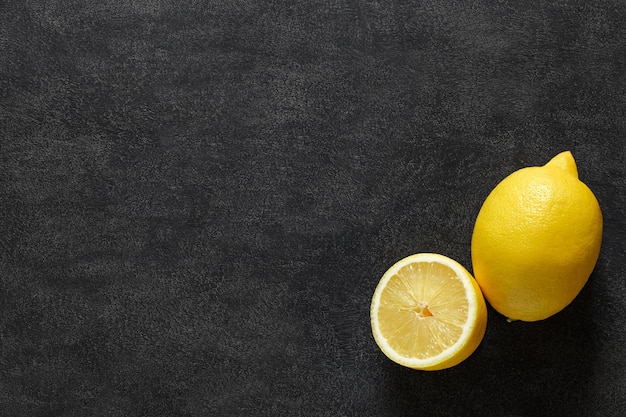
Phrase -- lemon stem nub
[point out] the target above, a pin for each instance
(564, 160)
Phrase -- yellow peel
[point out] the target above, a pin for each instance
(536, 240)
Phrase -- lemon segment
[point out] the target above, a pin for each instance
(427, 312)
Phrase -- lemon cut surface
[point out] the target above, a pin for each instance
(428, 313)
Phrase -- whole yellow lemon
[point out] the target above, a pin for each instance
(536, 240)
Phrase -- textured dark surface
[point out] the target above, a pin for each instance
(197, 200)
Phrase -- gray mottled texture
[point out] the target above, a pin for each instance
(197, 200)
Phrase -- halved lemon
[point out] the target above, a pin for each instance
(428, 313)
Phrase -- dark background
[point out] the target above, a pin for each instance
(197, 200)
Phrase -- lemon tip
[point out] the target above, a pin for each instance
(564, 160)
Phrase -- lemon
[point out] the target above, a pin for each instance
(428, 313)
(536, 240)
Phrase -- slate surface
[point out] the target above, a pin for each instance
(197, 200)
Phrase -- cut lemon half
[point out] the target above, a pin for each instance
(428, 313)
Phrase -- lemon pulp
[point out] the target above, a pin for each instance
(428, 313)
(423, 309)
